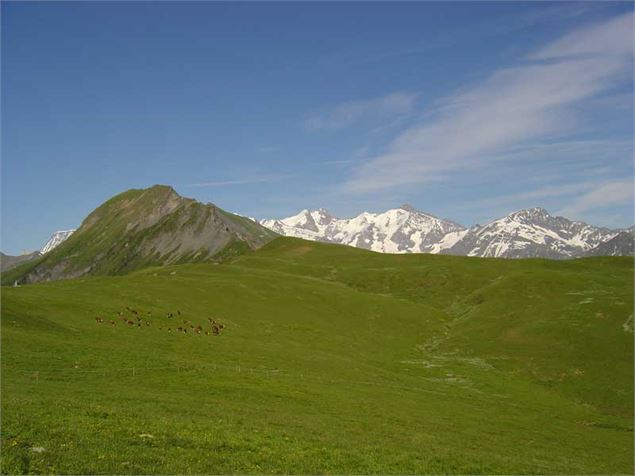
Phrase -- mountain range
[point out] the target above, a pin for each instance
(529, 233)
(156, 226)
(7, 261)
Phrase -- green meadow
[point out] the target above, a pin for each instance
(331, 360)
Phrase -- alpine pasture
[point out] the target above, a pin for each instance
(330, 360)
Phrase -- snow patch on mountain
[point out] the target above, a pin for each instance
(56, 239)
(526, 233)
(399, 230)
(530, 233)
(622, 244)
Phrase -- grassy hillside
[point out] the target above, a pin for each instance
(331, 360)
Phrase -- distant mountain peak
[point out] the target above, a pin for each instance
(56, 239)
(324, 211)
(531, 232)
(393, 231)
(409, 208)
(622, 244)
(530, 213)
(161, 188)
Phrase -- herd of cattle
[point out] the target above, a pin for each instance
(133, 318)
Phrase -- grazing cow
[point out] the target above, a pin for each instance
(130, 323)
(215, 330)
(147, 323)
(178, 312)
(180, 329)
(169, 329)
(112, 323)
(99, 319)
(139, 325)
(206, 333)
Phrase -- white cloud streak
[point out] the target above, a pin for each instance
(352, 112)
(541, 192)
(224, 183)
(617, 192)
(514, 106)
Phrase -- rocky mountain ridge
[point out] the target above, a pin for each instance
(140, 228)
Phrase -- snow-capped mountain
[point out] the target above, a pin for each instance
(527, 233)
(622, 244)
(531, 233)
(56, 239)
(308, 224)
(400, 230)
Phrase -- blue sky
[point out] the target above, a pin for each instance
(465, 110)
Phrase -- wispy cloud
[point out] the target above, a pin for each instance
(617, 192)
(342, 162)
(246, 181)
(352, 112)
(510, 201)
(535, 101)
